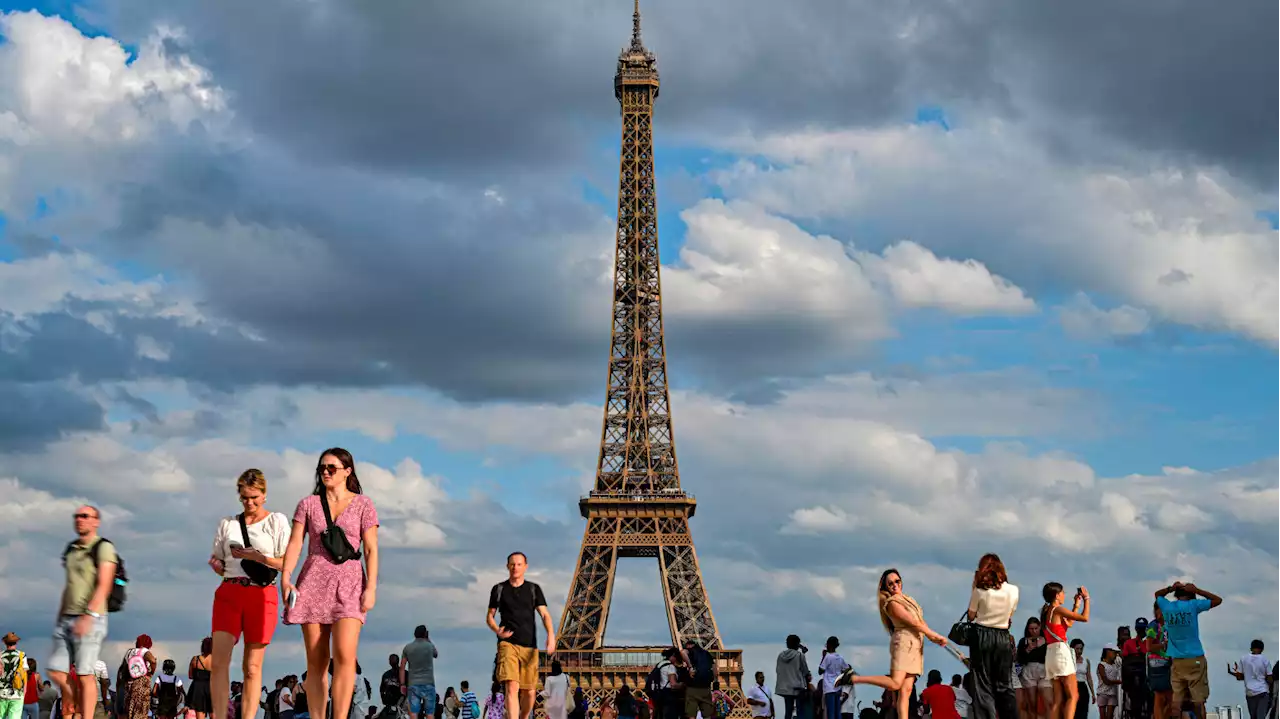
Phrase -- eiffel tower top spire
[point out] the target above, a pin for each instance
(636, 44)
(636, 64)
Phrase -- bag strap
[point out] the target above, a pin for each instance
(244, 531)
(328, 517)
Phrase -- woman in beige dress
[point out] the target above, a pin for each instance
(904, 621)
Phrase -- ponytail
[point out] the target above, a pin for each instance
(1049, 593)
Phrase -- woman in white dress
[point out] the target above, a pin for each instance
(555, 692)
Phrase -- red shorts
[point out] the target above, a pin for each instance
(252, 611)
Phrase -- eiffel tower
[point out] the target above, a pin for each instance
(637, 507)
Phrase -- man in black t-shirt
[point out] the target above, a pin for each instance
(517, 603)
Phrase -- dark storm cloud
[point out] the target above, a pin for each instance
(1181, 77)
(32, 414)
(475, 87)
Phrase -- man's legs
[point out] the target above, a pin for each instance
(789, 706)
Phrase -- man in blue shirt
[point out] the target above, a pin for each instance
(1190, 673)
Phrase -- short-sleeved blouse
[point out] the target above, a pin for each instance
(269, 536)
(328, 591)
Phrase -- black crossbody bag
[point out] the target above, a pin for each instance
(258, 573)
(334, 538)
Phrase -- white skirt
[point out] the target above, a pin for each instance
(1059, 661)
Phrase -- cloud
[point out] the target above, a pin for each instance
(997, 196)
(918, 278)
(1081, 318)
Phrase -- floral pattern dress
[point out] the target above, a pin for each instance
(328, 591)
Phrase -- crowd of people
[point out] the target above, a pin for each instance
(1159, 671)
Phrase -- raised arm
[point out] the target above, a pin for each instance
(902, 617)
(1079, 611)
(1214, 600)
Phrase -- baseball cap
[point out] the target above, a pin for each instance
(1139, 622)
(1111, 647)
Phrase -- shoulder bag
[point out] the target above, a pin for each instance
(334, 538)
(962, 630)
(258, 573)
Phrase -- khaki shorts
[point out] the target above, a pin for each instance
(518, 664)
(1190, 680)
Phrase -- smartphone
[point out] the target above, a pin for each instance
(235, 545)
(292, 599)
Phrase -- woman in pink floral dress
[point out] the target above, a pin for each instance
(331, 598)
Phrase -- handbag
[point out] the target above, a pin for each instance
(334, 538)
(961, 630)
(258, 573)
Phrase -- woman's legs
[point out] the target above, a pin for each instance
(346, 642)
(1107, 712)
(1064, 698)
(1082, 701)
(220, 673)
(893, 682)
(250, 698)
(1043, 706)
(315, 639)
(904, 694)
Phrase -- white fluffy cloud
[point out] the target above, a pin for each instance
(1186, 246)
(918, 278)
(1081, 318)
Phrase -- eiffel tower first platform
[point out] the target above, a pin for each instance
(637, 507)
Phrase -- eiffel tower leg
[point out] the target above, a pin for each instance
(586, 610)
(688, 609)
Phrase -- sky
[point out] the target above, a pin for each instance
(940, 279)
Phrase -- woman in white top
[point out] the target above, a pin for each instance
(248, 552)
(555, 691)
(1084, 679)
(991, 606)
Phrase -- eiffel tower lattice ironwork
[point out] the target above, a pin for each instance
(637, 507)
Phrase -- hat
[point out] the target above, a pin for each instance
(1139, 622)
(11, 638)
(1111, 647)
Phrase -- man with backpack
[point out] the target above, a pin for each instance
(660, 684)
(90, 562)
(702, 673)
(13, 678)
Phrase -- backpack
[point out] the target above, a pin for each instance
(167, 692)
(136, 661)
(118, 595)
(701, 673)
(13, 671)
(653, 682)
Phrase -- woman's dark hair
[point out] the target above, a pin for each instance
(31, 665)
(1049, 593)
(348, 462)
(493, 689)
(144, 642)
(885, 577)
(833, 643)
(990, 574)
(206, 646)
(935, 677)
(1077, 643)
(1026, 629)
(556, 669)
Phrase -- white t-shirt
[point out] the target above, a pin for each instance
(284, 694)
(759, 694)
(168, 679)
(963, 700)
(668, 674)
(270, 536)
(1255, 668)
(831, 667)
(850, 704)
(100, 670)
(995, 607)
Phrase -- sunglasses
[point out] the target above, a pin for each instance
(893, 583)
(83, 515)
(330, 468)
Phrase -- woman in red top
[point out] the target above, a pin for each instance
(1059, 661)
(939, 698)
(31, 695)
